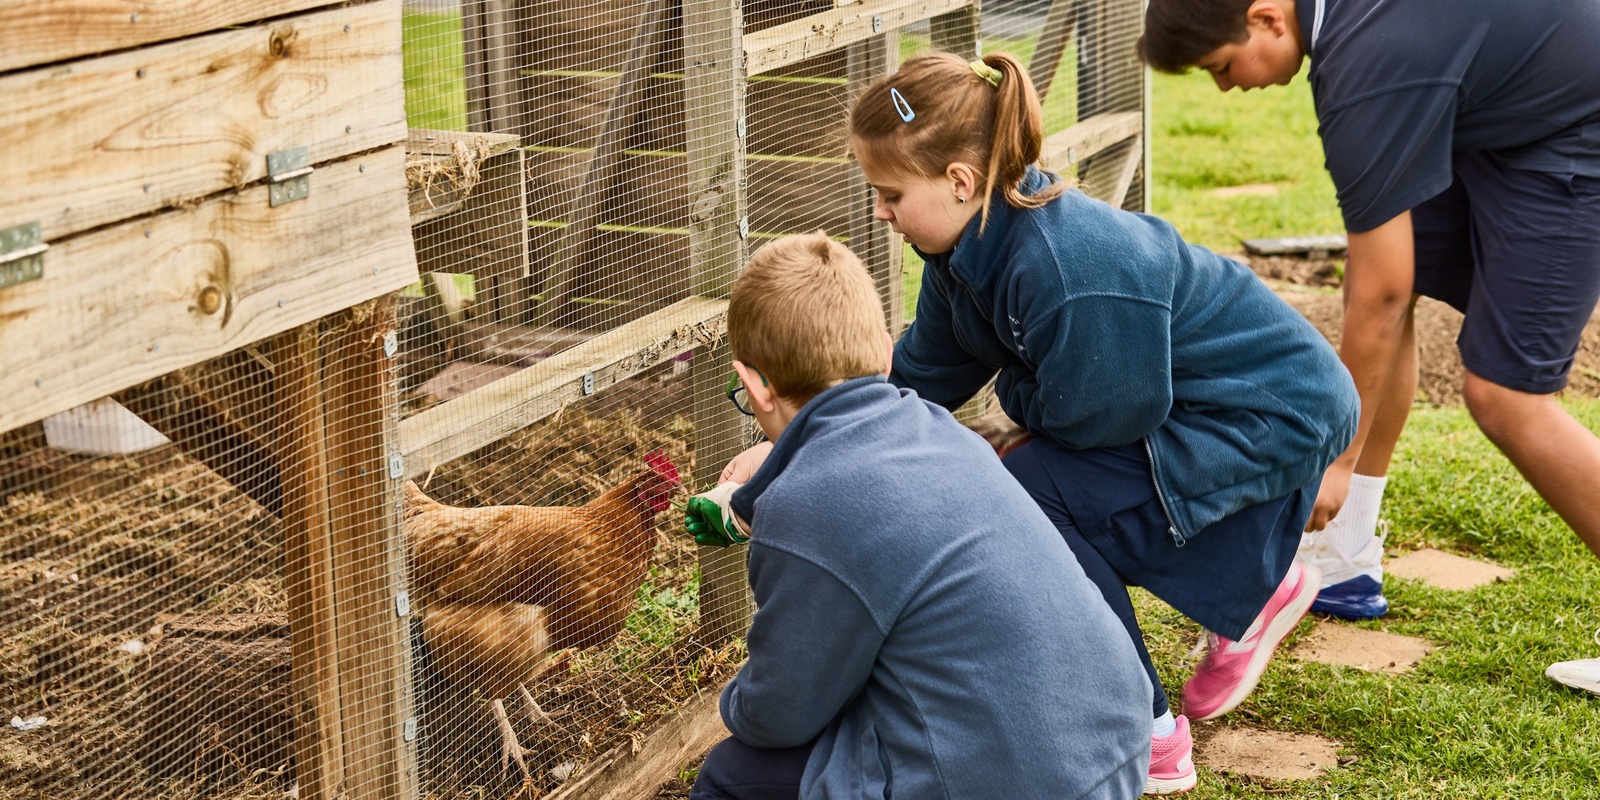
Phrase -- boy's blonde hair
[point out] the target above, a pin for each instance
(806, 314)
(955, 115)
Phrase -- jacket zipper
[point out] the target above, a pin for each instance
(1172, 528)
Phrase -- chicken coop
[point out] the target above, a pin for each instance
(358, 352)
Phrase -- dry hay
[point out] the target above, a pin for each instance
(94, 552)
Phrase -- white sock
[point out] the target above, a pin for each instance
(1358, 519)
(1164, 726)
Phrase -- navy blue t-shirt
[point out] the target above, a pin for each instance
(1400, 84)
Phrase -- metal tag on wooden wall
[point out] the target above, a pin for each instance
(21, 254)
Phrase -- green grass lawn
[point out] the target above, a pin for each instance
(1203, 140)
(1476, 719)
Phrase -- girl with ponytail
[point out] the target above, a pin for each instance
(1180, 414)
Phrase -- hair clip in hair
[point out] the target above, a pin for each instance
(987, 72)
(901, 107)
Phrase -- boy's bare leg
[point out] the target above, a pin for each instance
(1394, 405)
(1556, 453)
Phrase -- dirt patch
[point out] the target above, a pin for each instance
(1310, 285)
(1442, 570)
(1273, 755)
(1373, 651)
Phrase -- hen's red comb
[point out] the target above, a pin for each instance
(658, 461)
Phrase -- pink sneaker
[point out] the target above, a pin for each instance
(1231, 668)
(1171, 761)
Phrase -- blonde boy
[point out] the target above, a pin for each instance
(922, 630)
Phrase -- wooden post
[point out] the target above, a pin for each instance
(308, 557)
(873, 241)
(346, 558)
(714, 100)
(489, 49)
(362, 429)
(1111, 79)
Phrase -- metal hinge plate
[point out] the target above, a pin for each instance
(288, 176)
(21, 254)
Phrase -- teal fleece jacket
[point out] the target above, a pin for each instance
(921, 619)
(1106, 328)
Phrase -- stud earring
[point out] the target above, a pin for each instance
(960, 199)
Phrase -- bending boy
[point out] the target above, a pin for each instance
(1464, 141)
(922, 630)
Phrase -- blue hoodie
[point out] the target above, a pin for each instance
(923, 621)
(1107, 328)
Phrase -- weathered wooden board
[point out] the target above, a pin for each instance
(1091, 136)
(129, 302)
(43, 31)
(803, 38)
(487, 414)
(102, 140)
(671, 744)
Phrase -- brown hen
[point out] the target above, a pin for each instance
(502, 587)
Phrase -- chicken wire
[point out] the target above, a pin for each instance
(146, 612)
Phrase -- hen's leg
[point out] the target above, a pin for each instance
(535, 713)
(510, 748)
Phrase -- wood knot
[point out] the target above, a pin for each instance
(210, 300)
(279, 43)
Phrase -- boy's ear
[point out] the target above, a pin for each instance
(888, 353)
(756, 388)
(1268, 14)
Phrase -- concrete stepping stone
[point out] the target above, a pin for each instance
(1373, 651)
(1445, 571)
(1267, 754)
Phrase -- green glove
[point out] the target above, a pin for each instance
(710, 519)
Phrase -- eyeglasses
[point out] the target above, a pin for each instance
(737, 396)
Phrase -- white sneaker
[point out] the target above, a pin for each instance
(1352, 587)
(1584, 674)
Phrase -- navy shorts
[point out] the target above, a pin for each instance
(1517, 252)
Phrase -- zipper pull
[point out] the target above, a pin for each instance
(1177, 538)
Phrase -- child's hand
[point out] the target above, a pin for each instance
(709, 517)
(745, 464)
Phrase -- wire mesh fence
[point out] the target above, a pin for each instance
(423, 542)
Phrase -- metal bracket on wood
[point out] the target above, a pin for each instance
(289, 176)
(588, 383)
(397, 467)
(21, 254)
(408, 731)
(402, 604)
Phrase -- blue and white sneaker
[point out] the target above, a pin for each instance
(1352, 588)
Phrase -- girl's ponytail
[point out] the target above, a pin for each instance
(1017, 138)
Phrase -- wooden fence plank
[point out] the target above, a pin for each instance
(44, 31)
(1089, 137)
(671, 744)
(490, 413)
(803, 38)
(126, 303)
(97, 141)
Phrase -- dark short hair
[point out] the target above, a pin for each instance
(1177, 33)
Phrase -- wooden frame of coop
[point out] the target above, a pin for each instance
(125, 267)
